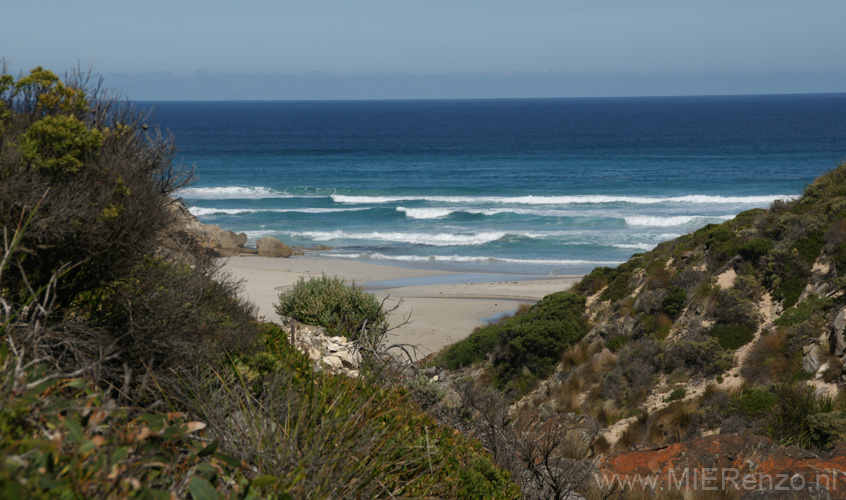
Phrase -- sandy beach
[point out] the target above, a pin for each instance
(444, 307)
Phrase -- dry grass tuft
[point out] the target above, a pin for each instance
(675, 423)
(578, 354)
(601, 446)
(630, 437)
(770, 359)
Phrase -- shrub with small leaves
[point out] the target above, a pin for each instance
(328, 302)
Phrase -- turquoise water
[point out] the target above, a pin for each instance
(530, 187)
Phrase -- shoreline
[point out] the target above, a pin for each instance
(444, 306)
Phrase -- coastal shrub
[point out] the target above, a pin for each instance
(674, 301)
(804, 311)
(618, 278)
(706, 358)
(535, 340)
(168, 319)
(658, 273)
(475, 347)
(735, 307)
(616, 342)
(596, 280)
(790, 281)
(676, 394)
(810, 245)
(634, 372)
(722, 243)
(157, 455)
(101, 184)
(732, 336)
(328, 302)
(747, 285)
(755, 401)
(755, 248)
(789, 423)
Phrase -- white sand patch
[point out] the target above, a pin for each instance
(440, 314)
(726, 280)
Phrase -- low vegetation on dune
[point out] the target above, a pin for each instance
(735, 328)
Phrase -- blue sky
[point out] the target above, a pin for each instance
(332, 49)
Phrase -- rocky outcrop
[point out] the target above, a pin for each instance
(326, 352)
(836, 334)
(272, 247)
(217, 241)
(187, 231)
(753, 465)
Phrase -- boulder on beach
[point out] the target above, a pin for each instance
(272, 247)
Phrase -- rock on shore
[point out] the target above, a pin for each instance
(216, 241)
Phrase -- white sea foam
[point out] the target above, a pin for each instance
(467, 258)
(229, 193)
(433, 239)
(676, 220)
(439, 212)
(425, 213)
(636, 246)
(200, 211)
(565, 200)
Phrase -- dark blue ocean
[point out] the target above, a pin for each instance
(546, 186)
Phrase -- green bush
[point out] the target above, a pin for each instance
(735, 307)
(110, 183)
(755, 248)
(333, 436)
(97, 450)
(810, 245)
(756, 401)
(342, 310)
(706, 358)
(677, 394)
(674, 301)
(169, 319)
(803, 312)
(535, 340)
(722, 243)
(732, 336)
(617, 342)
(475, 347)
(789, 424)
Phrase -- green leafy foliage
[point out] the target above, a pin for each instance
(59, 144)
(474, 348)
(722, 242)
(330, 303)
(755, 248)
(677, 394)
(95, 449)
(534, 340)
(674, 301)
(617, 342)
(756, 401)
(789, 424)
(804, 311)
(732, 336)
(332, 436)
(706, 358)
(109, 182)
